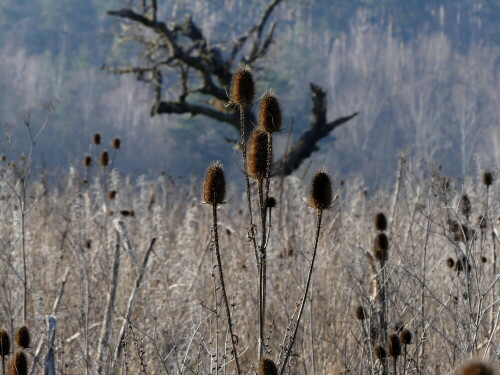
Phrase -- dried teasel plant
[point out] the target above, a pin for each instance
(214, 192)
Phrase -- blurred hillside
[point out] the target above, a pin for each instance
(424, 75)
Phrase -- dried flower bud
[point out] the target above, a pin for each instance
(242, 87)
(116, 143)
(394, 345)
(488, 178)
(22, 337)
(267, 367)
(258, 151)
(406, 337)
(4, 343)
(320, 196)
(214, 184)
(104, 158)
(96, 139)
(87, 161)
(380, 221)
(360, 313)
(270, 113)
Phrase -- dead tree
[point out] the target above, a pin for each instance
(180, 50)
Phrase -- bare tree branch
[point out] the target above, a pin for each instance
(179, 48)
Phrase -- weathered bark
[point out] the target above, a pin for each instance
(179, 49)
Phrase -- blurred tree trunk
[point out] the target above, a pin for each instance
(180, 50)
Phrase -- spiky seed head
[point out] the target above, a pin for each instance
(96, 139)
(214, 184)
(380, 221)
(242, 87)
(87, 161)
(112, 194)
(320, 195)
(360, 313)
(270, 113)
(104, 161)
(406, 337)
(271, 202)
(379, 352)
(488, 178)
(465, 205)
(22, 337)
(258, 154)
(450, 262)
(381, 247)
(116, 143)
(18, 364)
(4, 343)
(394, 345)
(267, 367)
(476, 368)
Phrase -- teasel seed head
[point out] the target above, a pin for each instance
(488, 178)
(394, 345)
(214, 184)
(379, 352)
(320, 195)
(242, 87)
(406, 337)
(116, 143)
(380, 222)
(381, 247)
(87, 160)
(270, 202)
(476, 368)
(96, 139)
(450, 262)
(4, 343)
(104, 158)
(18, 364)
(267, 367)
(270, 113)
(360, 313)
(22, 337)
(258, 154)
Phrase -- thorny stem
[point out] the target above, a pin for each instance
(250, 216)
(223, 287)
(262, 269)
(304, 296)
(23, 240)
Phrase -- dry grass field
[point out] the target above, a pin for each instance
(85, 250)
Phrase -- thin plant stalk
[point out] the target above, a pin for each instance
(304, 297)
(223, 287)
